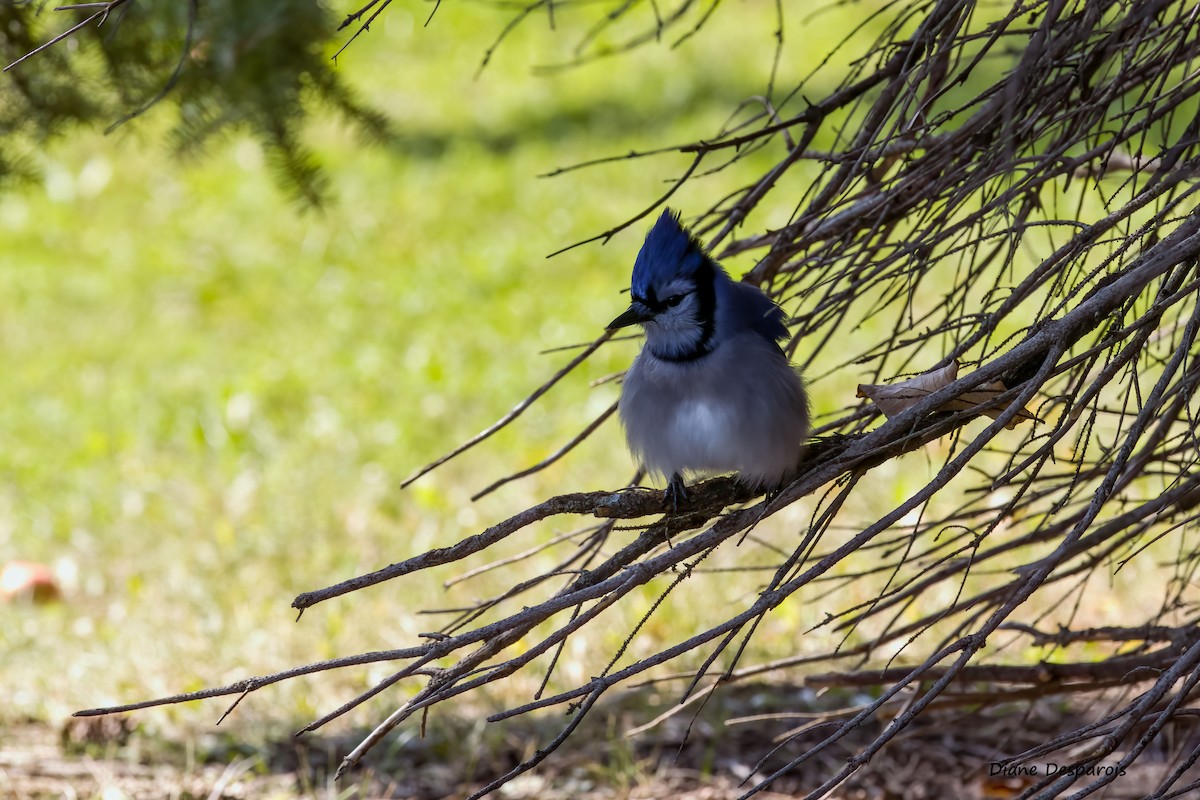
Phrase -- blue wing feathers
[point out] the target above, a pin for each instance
(748, 307)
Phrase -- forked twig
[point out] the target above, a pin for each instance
(99, 17)
(1011, 188)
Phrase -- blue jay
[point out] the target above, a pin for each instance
(711, 390)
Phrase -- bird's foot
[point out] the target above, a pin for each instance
(675, 494)
(773, 492)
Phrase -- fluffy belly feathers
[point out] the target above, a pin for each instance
(678, 423)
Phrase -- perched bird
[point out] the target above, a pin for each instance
(711, 390)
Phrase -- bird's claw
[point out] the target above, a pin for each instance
(675, 494)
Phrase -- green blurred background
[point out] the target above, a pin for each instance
(212, 391)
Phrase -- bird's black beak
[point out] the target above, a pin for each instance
(634, 314)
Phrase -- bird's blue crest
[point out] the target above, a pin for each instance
(669, 252)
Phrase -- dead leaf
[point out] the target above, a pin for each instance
(895, 398)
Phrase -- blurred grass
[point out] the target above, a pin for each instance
(211, 395)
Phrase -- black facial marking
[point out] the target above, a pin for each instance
(651, 301)
(706, 312)
(706, 293)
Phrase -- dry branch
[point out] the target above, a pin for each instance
(1011, 188)
(1130, 668)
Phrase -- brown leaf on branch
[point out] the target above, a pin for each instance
(895, 398)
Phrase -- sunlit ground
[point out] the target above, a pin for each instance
(210, 395)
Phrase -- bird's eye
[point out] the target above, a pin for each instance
(675, 299)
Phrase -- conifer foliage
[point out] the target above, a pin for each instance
(257, 66)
